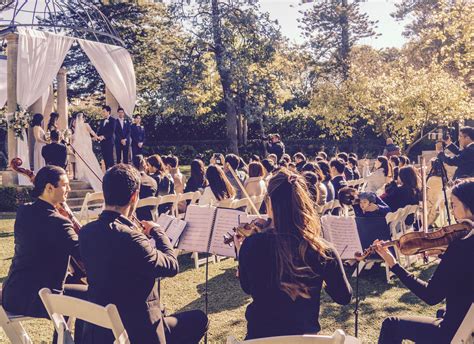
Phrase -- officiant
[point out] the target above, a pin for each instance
(55, 153)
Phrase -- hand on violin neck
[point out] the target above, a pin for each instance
(384, 253)
(148, 227)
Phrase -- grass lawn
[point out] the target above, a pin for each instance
(227, 302)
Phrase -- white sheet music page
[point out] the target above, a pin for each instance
(164, 221)
(342, 232)
(195, 237)
(175, 230)
(226, 221)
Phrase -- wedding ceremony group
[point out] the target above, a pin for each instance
(235, 171)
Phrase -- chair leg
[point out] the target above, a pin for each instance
(16, 333)
(196, 260)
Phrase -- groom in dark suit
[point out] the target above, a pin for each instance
(106, 136)
(122, 137)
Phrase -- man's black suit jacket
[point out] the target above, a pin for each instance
(44, 240)
(55, 154)
(338, 182)
(148, 188)
(122, 266)
(464, 160)
(122, 133)
(107, 129)
(137, 133)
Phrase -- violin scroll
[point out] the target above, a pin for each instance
(247, 229)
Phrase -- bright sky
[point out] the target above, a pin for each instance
(390, 29)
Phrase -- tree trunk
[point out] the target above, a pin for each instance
(244, 131)
(239, 129)
(345, 42)
(226, 79)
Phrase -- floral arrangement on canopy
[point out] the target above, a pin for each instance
(19, 122)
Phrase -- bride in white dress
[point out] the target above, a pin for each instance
(82, 142)
(40, 141)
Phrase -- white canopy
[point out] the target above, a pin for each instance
(3, 82)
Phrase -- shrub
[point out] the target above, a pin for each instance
(11, 197)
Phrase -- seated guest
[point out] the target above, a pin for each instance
(44, 242)
(404, 161)
(284, 268)
(351, 197)
(157, 170)
(273, 158)
(179, 179)
(322, 155)
(219, 188)
(311, 183)
(255, 185)
(325, 169)
(233, 161)
(269, 167)
(451, 281)
(123, 264)
(148, 188)
(197, 181)
(337, 168)
(315, 179)
(255, 158)
(390, 149)
(291, 166)
(217, 159)
(300, 161)
(55, 153)
(286, 158)
(395, 162)
(353, 165)
(348, 173)
(382, 174)
(243, 168)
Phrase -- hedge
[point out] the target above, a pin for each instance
(12, 197)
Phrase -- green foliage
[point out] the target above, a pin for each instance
(12, 197)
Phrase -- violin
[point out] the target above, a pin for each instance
(79, 272)
(433, 243)
(247, 229)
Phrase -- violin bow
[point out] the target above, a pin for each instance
(252, 205)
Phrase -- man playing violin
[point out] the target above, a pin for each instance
(453, 280)
(44, 241)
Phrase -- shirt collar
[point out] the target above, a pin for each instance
(44, 204)
(111, 216)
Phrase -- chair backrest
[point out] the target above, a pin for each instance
(197, 196)
(188, 196)
(338, 337)
(225, 203)
(89, 198)
(257, 200)
(329, 206)
(59, 306)
(465, 332)
(147, 202)
(167, 199)
(240, 203)
(397, 218)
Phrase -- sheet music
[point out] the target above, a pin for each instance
(246, 218)
(164, 221)
(175, 230)
(226, 221)
(195, 237)
(343, 234)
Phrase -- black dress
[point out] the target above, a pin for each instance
(273, 312)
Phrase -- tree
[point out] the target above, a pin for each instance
(332, 28)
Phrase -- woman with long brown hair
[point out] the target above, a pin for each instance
(219, 188)
(284, 268)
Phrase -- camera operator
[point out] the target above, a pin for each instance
(463, 158)
(275, 146)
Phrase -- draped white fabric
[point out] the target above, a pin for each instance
(3, 82)
(114, 65)
(40, 55)
(22, 149)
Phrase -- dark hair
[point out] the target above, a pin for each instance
(370, 196)
(54, 135)
(198, 172)
(338, 164)
(409, 178)
(309, 166)
(255, 157)
(286, 157)
(37, 120)
(387, 168)
(156, 161)
(323, 155)
(52, 118)
(268, 165)
(300, 156)
(347, 195)
(352, 160)
(106, 108)
(353, 155)
(468, 131)
(171, 160)
(139, 162)
(324, 166)
(255, 169)
(464, 190)
(343, 156)
(120, 109)
(395, 160)
(233, 160)
(403, 160)
(219, 184)
(312, 184)
(119, 184)
(136, 116)
(49, 174)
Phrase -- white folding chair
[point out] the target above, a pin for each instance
(59, 306)
(329, 206)
(168, 199)
(240, 203)
(338, 337)
(257, 200)
(94, 199)
(11, 324)
(149, 202)
(188, 196)
(465, 332)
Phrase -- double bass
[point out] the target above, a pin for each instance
(77, 272)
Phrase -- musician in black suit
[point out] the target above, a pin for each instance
(123, 264)
(122, 137)
(106, 136)
(138, 136)
(148, 188)
(55, 153)
(463, 159)
(44, 241)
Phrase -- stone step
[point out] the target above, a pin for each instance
(77, 202)
(79, 185)
(79, 193)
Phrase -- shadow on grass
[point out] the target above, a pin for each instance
(224, 294)
(6, 234)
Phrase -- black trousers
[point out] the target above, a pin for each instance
(186, 327)
(421, 330)
(107, 148)
(136, 150)
(122, 152)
